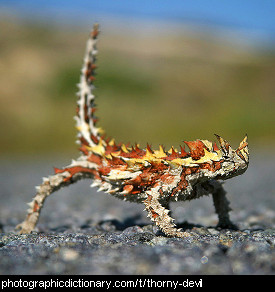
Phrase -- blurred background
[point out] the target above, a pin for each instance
(168, 71)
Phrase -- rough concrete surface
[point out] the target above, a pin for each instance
(82, 231)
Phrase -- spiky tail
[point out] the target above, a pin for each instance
(85, 120)
(88, 136)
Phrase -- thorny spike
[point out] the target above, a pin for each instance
(225, 146)
(243, 144)
(161, 151)
(208, 144)
(149, 148)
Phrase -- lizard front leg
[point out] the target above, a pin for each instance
(221, 204)
(160, 215)
(51, 184)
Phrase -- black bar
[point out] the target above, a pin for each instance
(107, 282)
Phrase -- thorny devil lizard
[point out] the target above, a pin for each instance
(153, 178)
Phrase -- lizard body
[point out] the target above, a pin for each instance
(151, 177)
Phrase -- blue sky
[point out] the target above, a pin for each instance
(252, 16)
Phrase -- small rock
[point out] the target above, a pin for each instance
(69, 254)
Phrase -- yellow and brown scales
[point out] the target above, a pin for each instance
(151, 177)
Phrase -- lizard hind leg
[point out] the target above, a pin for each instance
(160, 215)
(51, 184)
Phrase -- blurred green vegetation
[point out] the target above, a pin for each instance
(160, 90)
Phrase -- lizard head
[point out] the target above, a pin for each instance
(234, 162)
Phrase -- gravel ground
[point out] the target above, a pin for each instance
(82, 231)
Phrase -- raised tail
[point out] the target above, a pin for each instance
(89, 134)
